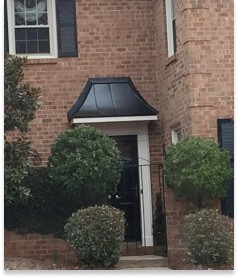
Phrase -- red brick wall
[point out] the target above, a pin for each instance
(195, 87)
(128, 38)
(36, 246)
(115, 38)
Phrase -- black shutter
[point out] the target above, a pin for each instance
(6, 43)
(66, 25)
(226, 140)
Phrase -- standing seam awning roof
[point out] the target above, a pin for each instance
(110, 97)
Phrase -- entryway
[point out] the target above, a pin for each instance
(114, 105)
(127, 197)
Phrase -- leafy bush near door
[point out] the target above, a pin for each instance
(51, 202)
(197, 169)
(45, 211)
(210, 237)
(21, 101)
(86, 165)
(95, 233)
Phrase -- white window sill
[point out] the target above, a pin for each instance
(38, 56)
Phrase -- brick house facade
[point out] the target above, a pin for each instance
(191, 88)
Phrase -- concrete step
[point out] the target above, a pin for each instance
(143, 262)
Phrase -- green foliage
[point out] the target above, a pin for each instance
(20, 105)
(210, 237)
(19, 158)
(86, 165)
(20, 99)
(159, 223)
(197, 169)
(45, 212)
(95, 233)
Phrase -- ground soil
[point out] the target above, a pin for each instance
(32, 264)
(187, 265)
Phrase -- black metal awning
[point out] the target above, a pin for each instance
(110, 97)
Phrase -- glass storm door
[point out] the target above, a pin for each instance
(127, 195)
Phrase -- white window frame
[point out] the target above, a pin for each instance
(51, 8)
(170, 17)
(176, 135)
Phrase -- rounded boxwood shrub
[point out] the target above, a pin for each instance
(197, 170)
(86, 164)
(210, 237)
(95, 233)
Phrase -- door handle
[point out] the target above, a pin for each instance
(118, 197)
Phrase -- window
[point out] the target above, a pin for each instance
(171, 27)
(40, 28)
(176, 135)
(32, 27)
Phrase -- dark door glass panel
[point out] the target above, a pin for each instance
(127, 195)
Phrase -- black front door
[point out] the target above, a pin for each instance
(127, 195)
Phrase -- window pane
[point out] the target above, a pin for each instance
(19, 19)
(44, 47)
(30, 4)
(43, 19)
(31, 33)
(20, 34)
(20, 47)
(31, 19)
(32, 47)
(42, 4)
(19, 6)
(43, 34)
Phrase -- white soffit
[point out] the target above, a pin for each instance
(113, 119)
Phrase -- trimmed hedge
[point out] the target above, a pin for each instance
(86, 165)
(95, 233)
(210, 237)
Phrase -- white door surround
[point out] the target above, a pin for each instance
(140, 129)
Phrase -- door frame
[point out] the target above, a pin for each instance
(140, 129)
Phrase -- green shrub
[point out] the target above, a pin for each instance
(45, 211)
(197, 170)
(21, 102)
(159, 223)
(209, 236)
(86, 165)
(95, 233)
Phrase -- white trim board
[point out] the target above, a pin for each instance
(113, 119)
